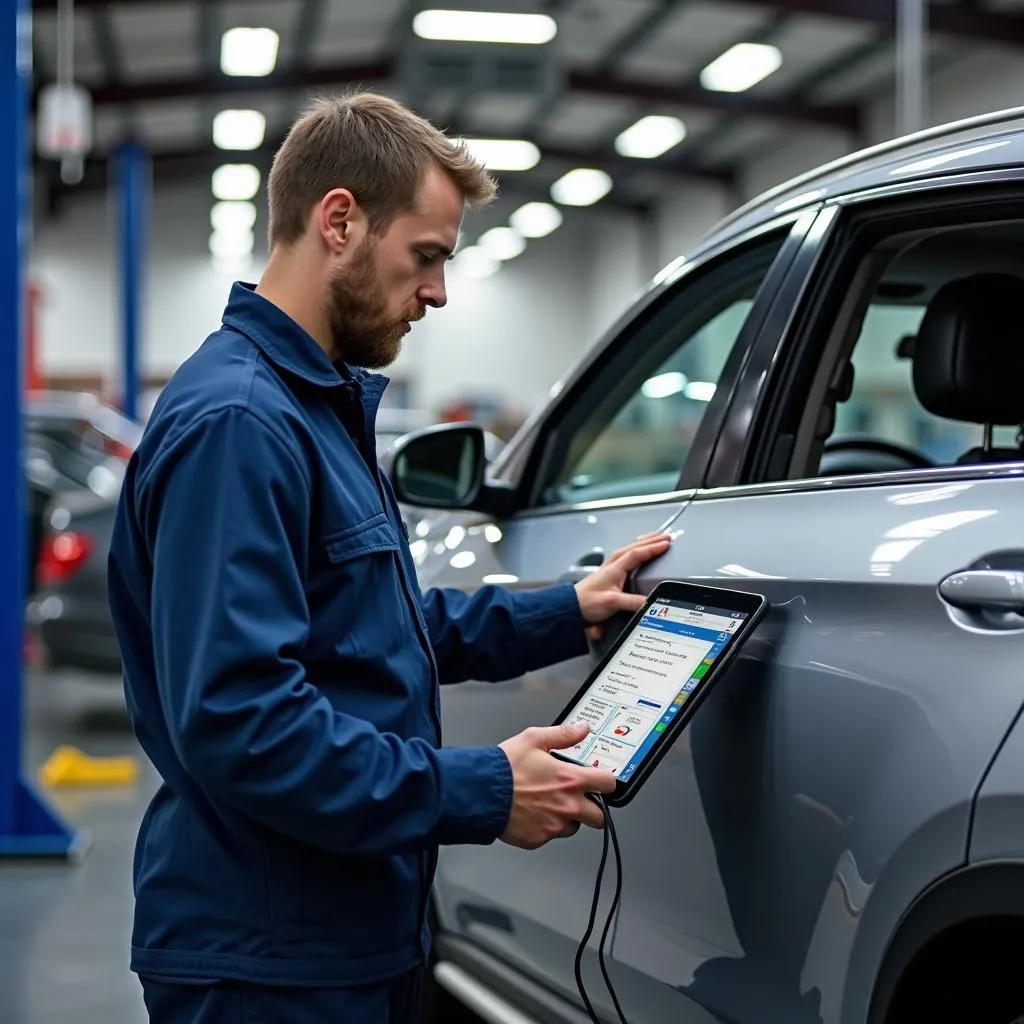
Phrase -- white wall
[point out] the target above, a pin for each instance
(514, 334)
(74, 260)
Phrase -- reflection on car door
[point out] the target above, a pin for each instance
(611, 471)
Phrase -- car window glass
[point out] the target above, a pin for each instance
(628, 433)
(883, 411)
(883, 404)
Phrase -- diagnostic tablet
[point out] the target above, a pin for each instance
(651, 682)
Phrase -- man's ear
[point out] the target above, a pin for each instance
(338, 220)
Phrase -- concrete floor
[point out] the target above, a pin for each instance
(65, 928)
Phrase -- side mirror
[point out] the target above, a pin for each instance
(443, 467)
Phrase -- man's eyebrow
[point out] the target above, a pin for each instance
(439, 247)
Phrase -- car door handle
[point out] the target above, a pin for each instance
(583, 566)
(997, 590)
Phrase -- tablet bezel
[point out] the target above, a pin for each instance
(755, 605)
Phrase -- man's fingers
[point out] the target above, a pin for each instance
(658, 542)
(570, 830)
(597, 780)
(591, 815)
(636, 554)
(560, 737)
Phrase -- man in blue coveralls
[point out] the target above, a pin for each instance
(280, 663)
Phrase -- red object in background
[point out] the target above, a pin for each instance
(33, 378)
(62, 555)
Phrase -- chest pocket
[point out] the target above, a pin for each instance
(357, 580)
(366, 538)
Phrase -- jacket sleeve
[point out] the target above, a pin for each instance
(495, 634)
(225, 513)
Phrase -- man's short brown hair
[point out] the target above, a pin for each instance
(373, 146)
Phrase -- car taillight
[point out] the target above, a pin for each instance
(62, 555)
(117, 449)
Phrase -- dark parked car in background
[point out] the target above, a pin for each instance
(75, 451)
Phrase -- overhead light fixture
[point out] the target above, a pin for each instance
(535, 220)
(650, 137)
(485, 27)
(741, 67)
(233, 215)
(239, 129)
(235, 182)
(248, 52)
(700, 390)
(231, 244)
(502, 243)
(664, 384)
(504, 154)
(581, 187)
(475, 262)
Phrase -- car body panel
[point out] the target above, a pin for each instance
(831, 779)
(986, 141)
(474, 885)
(998, 827)
(824, 785)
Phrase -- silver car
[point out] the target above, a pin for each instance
(823, 403)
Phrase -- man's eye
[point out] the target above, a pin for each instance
(426, 258)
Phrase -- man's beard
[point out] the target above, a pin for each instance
(363, 334)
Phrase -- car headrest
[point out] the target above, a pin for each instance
(969, 351)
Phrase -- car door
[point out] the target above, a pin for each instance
(828, 780)
(604, 465)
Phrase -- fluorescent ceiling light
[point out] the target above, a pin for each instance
(650, 137)
(485, 27)
(232, 216)
(228, 244)
(741, 67)
(502, 243)
(476, 262)
(236, 182)
(664, 384)
(535, 220)
(239, 129)
(504, 154)
(248, 51)
(700, 390)
(581, 187)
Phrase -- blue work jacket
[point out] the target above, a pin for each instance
(281, 668)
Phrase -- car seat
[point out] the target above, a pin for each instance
(968, 359)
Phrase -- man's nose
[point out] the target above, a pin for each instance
(433, 293)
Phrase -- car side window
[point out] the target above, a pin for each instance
(629, 431)
(901, 394)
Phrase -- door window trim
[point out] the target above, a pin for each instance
(772, 365)
(523, 468)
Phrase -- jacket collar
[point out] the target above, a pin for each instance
(287, 345)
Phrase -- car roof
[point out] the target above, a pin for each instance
(976, 143)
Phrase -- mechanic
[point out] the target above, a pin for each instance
(280, 663)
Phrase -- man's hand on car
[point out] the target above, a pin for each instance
(602, 594)
(549, 796)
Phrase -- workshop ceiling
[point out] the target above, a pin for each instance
(152, 68)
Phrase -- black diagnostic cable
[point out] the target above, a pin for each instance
(609, 833)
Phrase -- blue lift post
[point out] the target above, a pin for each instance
(133, 204)
(28, 827)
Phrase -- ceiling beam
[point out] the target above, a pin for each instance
(842, 116)
(969, 22)
(300, 78)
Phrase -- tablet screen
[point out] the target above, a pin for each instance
(647, 681)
